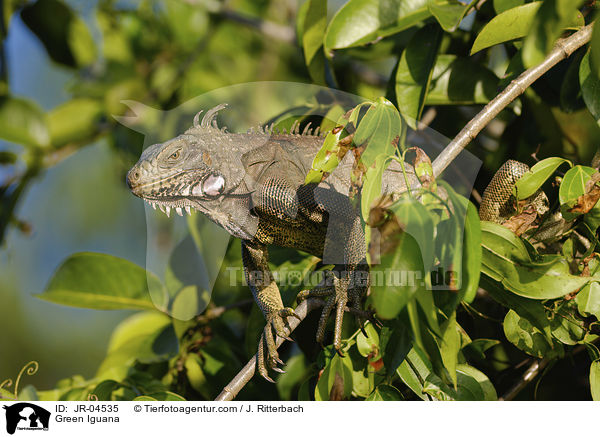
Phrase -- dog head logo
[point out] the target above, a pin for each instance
(26, 416)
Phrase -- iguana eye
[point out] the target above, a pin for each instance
(175, 155)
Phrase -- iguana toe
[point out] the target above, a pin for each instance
(268, 357)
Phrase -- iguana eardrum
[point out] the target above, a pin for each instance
(252, 184)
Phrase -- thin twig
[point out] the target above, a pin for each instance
(563, 49)
(427, 118)
(213, 313)
(529, 375)
(244, 375)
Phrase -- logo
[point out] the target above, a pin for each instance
(26, 416)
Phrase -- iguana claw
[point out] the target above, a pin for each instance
(268, 357)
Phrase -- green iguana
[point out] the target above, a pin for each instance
(252, 184)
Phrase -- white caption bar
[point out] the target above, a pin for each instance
(288, 418)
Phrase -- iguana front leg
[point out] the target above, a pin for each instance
(267, 296)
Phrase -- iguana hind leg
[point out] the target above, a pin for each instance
(339, 291)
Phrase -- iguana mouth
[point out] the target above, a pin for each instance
(179, 205)
(180, 191)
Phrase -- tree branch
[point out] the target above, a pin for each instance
(270, 29)
(3, 66)
(532, 371)
(243, 377)
(563, 49)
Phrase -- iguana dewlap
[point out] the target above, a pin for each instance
(252, 184)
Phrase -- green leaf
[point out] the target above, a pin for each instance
(104, 282)
(459, 81)
(504, 5)
(363, 376)
(367, 345)
(189, 275)
(533, 180)
(65, 37)
(571, 97)
(595, 380)
(517, 22)
(588, 299)
(566, 326)
(509, 25)
(590, 87)
(145, 337)
(395, 341)
(414, 370)
(103, 390)
(195, 375)
(379, 129)
(28, 393)
(450, 346)
(371, 189)
(595, 50)
(449, 13)
(6, 395)
(76, 394)
(550, 20)
(506, 259)
(74, 121)
(480, 345)
(339, 373)
(385, 392)
(74, 388)
(331, 153)
(414, 71)
(395, 281)
(520, 332)
(471, 262)
(425, 326)
(469, 265)
(312, 25)
(529, 309)
(23, 122)
(136, 326)
(573, 186)
(361, 21)
(466, 373)
(593, 350)
(415, 219)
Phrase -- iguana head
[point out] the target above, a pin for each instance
(200, 170)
